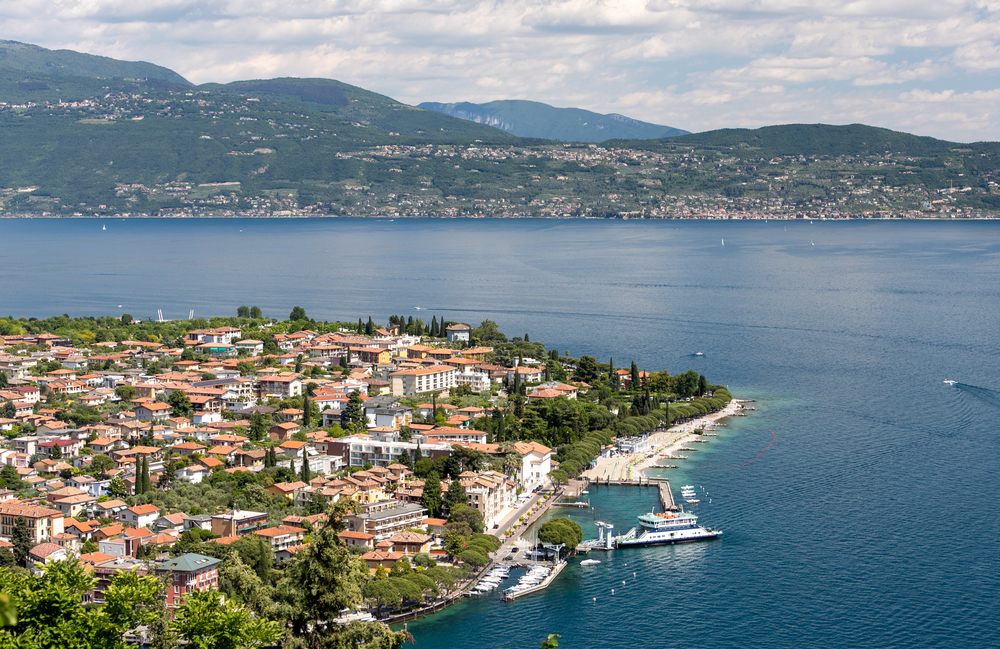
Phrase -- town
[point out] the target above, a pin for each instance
(182, 451)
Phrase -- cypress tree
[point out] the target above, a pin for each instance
(431, 499)
(361, 326)
(635, 376)
(411, 326)
(370, 327)
(434, 326)
(306, 408)
(21, 538)
(306, 475)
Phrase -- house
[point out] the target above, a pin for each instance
(193, 473)
(250, 346)
(238, 523)
(458, 333)
(385, 518)
(410, 543)
(536, 462)
(188, 448)
(187, 573)
(152, 411)
(380, 559)
(43, 522)
(282, 536)
(358, 539)
(198, 522)
(46, 553)
(140, 515)
(286, 489)
(67, 447)
(170, 522)
(281, 432)
(424, 379)
(281, 386)
(109, 508)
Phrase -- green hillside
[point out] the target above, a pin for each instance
(128, 146)
(808, 139)
(31, 58)
(538, 120)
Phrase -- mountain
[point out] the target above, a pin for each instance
(538, 120)
(355, 104)
(807, 139)
(32, 58)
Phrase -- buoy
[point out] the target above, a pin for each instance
(612, 591)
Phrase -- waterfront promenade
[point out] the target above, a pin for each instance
(669, 441)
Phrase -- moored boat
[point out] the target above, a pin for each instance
(666, 528)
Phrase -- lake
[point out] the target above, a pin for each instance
(869, 521)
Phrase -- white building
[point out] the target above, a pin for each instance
(425, 379)
(477, 381)
(535, 464)
(458, 333)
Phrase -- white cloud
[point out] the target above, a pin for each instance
(695, 64)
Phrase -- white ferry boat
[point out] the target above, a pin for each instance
(668, 527)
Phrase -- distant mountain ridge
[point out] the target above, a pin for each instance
(538, 120)
(32, 58)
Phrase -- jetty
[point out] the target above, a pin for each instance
(510, 597)
(643, 481)
(667, 498)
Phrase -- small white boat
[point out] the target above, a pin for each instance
(950, 382)
(699, 353)
(584, 493)
(104, 227)
(589, 562)
(692, 501)
(687, 487)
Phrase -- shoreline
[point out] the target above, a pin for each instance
(664, 441)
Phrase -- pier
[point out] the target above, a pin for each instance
(667, 498)
(510, 597)
(640, 482)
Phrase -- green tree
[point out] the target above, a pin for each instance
(305, 474)
(354, 415)
(255, 313)
(8, 411)
(56, 453)
(431, 498)
(21, 539)
(298, 313)
(100, 463)
(207, 622)
(455, 495)
(686, 384)
(462, 515)
(635, 376)
(88, 547)
(242, 312)
(322, 580)
(702, 385)
(118, 488)
(180, 404)
(587, 369)
(561, 530)
(11, 477)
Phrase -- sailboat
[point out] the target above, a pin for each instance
(104, 227)
(723, 242)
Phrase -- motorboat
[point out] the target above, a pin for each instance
(589, 562)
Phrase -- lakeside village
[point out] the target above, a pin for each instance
(249, 482)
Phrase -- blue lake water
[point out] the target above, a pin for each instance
(872, 518)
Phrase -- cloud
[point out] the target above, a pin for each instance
(694, 64)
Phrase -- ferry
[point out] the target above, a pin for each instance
(668, 527)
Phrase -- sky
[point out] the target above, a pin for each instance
(930, 67)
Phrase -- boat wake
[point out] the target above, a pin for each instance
(986, 395)
(774, 437)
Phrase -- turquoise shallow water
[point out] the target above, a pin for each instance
(871, 520)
